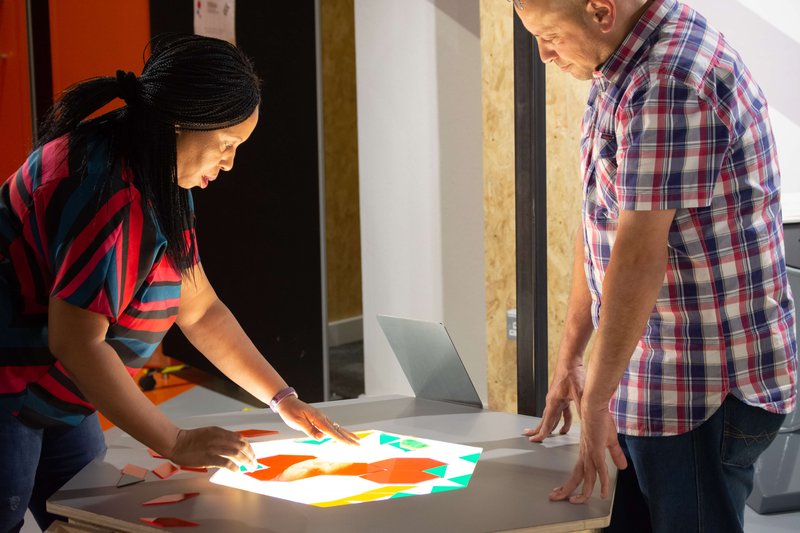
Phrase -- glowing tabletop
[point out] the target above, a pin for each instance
(469, 470)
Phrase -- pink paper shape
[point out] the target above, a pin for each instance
(135, 471)
(165, 470)
(168, 521)
(171, 498)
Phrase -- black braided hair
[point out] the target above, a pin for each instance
(189, 82)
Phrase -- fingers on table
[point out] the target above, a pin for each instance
(550, 420)
(563, 492)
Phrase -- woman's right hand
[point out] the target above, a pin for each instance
(567, 386)
(212, 447)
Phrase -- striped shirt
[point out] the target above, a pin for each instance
(74, 229)
(675, 121)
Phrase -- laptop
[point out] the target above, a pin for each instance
(429, 360)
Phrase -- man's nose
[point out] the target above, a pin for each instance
(546, 53)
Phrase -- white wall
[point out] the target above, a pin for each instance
(420, 171)
(766, 33)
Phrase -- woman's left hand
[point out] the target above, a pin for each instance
(299, 415)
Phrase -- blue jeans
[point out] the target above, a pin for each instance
(35, 463)
(697, 481)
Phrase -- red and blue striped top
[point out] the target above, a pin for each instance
(74, 228)
(675, 121)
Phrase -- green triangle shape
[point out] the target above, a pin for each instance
(398, 445)
(402, 495)
(313, 441)
(461, 480)
(386, 438)
(472, 458)
(413, 444)
(437, 470)
(443, 489)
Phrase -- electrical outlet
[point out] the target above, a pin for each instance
(511, 324)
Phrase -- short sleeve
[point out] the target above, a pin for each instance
(672, 147)
(91, 257)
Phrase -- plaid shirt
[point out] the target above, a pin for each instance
(674, 121)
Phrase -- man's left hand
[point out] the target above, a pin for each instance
(598, 433)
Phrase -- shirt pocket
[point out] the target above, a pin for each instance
(600, 189)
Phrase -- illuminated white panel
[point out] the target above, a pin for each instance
(327, 473)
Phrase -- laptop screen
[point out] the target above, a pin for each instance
(429, 360)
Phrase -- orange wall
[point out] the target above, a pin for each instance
(15, 100)
(91, 38)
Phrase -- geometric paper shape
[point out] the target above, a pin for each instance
(461, 480)
(155, 454)
(168, 521)
(171, 498)
(408, 445)
(444, 489)
(165, 470)
(315, 441)
(125, 480)
(131, 474)
(252, 433)
(135, 471)
(382, 493)
(438, 471)
(328, 473)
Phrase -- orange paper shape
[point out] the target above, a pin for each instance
(155, 454)
(168, 521)
(165, 470)
(403, 470)
(171, 498)
(135, 471)
(251, 433)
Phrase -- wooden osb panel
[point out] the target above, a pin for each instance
(342, 232)
(497, 73)
(566, 101)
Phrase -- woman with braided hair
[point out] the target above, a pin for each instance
(98, 258)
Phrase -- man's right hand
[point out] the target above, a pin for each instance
(567, 386)
(212, 447)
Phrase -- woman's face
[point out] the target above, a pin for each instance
(202, 154)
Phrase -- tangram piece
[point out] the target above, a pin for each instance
(194, 468)
(327, 473)
(131, 474)
(168, 521)
(252, 433)
(382, 493)
(124, 481)
(165, 470)
(155, 454)
(171, 498)
(404, 470)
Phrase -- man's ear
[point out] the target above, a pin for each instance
(603, 13)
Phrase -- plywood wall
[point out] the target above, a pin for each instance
(343, 241)
(566, 99)
(497, 79)
(565, 103)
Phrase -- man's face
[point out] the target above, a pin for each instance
(568, 33)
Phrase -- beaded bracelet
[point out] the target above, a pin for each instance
(282, 395)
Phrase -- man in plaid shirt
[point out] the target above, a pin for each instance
(679, 266)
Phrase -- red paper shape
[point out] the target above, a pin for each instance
(251, 433)
(171, 498)
(135, 471)
(168, 521)
(403, 470)
(154, 454)
(165, 470)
